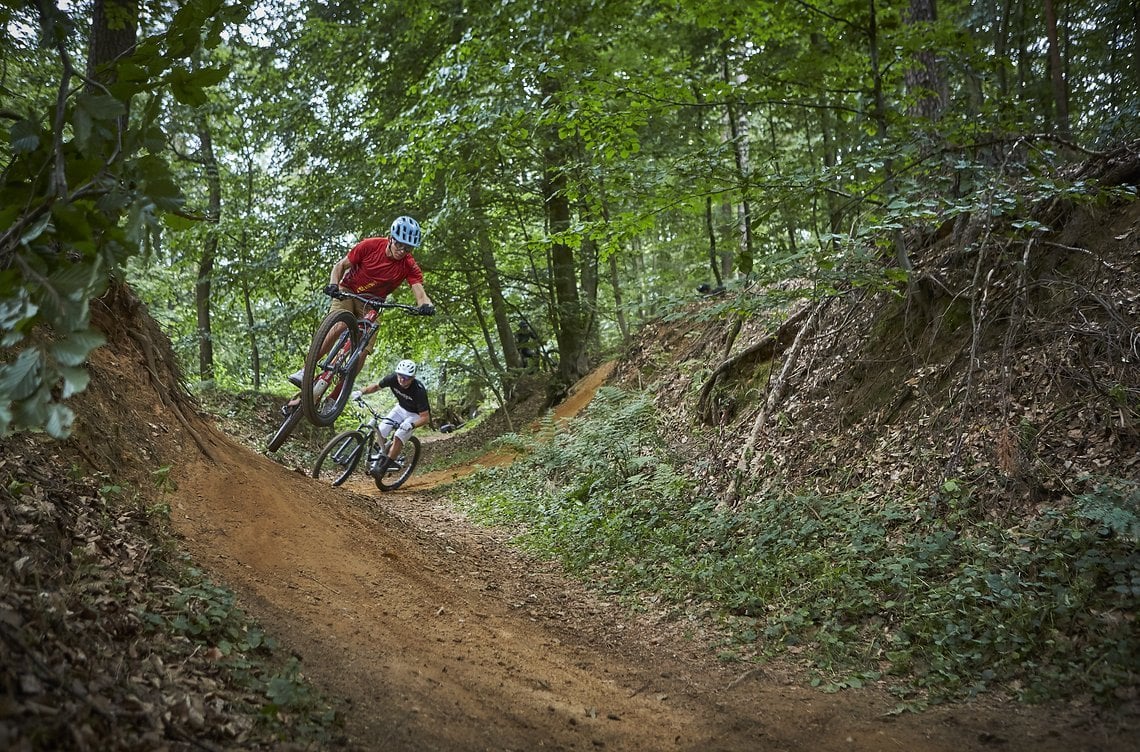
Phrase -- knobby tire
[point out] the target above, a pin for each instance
(409, 457)
(324, 410)
(285, 431)
(340, 456)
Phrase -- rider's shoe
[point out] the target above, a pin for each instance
(295, 379)
(379, 468)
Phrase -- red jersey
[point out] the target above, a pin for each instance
(373, 272)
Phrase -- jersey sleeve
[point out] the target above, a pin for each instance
(415, 275)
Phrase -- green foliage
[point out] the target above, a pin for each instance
(84, 188)
(949, 605)
(1115, 504)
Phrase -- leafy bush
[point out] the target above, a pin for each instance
(947, 605)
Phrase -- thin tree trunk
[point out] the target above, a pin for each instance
(476, 305)
(494, 281)
(1057, 72)
(737, 130)
(619, 306)
(209, 254)
(710, 226)
(571, 333)
(901, 255)
(830, 155)
(250, 321)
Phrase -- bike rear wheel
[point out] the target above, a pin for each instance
(323, 409)
(340, 456)
(286, 429)
(406, 462)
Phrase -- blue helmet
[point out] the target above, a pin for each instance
(407, 231)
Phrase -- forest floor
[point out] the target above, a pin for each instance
(438, 635)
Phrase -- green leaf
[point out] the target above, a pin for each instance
(74, 278)
(36, 229)
(71, 222)
(75, 380)
(20, 378)
(74, 350)
(24, 135)
(101, 106)
(60, 419)
(185, 88)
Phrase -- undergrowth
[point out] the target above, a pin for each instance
(103, 620)
(936, 605)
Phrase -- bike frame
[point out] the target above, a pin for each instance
(361, 446)
(339, 366)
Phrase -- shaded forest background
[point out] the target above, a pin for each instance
(580, 168)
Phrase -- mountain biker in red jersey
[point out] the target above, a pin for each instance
(376, 267)
(412, 408)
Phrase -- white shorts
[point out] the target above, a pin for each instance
(395, 417)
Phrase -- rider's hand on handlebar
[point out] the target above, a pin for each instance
(427, 309)
(356, 395)
(333, 291)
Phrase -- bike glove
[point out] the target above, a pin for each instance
(407, 426)
(356, 394)
(427, 309)
(333, 291)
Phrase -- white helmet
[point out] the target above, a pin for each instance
(407, 231)
(406, 368)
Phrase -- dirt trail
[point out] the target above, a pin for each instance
(440, 637)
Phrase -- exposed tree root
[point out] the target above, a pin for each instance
(765, 349)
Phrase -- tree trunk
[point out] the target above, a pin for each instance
(571, 333)
(114, 29)
(250, 321)
(494, 282)
(923, 78)
(710, 226)
(830, 154)
(209, 254)
(1057, 71)
(737, 130)
(901, 255)
(476, 289)
(588, 261)
(619, 307)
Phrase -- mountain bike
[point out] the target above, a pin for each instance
(327, 380)
(344, 452)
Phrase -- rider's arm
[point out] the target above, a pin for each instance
(421, 294)
(339, 269)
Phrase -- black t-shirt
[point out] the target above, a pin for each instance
(414, 399)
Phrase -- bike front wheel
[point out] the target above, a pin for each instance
(340, 456)
(339, 364)
(401, 470)
(286, 430)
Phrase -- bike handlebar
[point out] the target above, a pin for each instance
(374, 302)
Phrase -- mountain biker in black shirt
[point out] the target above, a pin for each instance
(412, 408)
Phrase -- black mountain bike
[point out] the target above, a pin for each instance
(345, 451)
(327, 379)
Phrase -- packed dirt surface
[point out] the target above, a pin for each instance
(438, 635)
